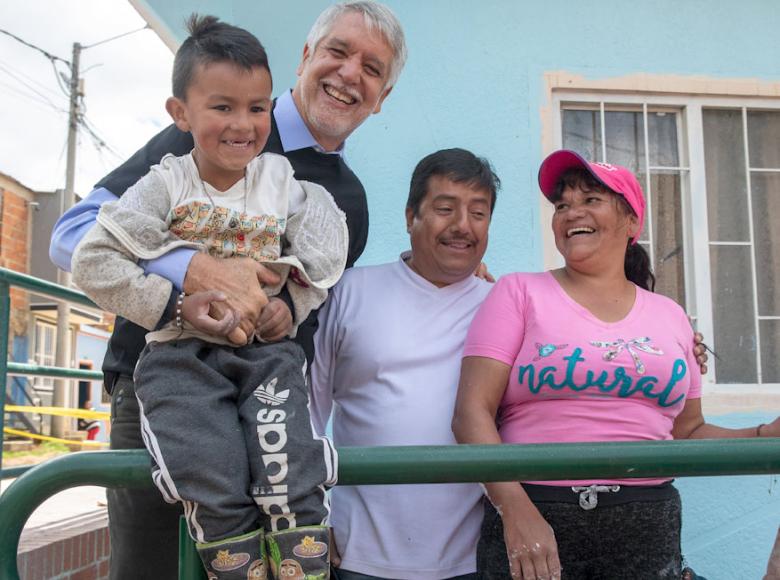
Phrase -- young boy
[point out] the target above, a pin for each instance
(228, 427)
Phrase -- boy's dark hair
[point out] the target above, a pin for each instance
(213, 41)
(458, 165)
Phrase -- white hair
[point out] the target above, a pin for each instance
(377, 17)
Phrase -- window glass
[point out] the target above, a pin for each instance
(770, 350)
(764, 139)
(724, 158)
(625, 135)
(582, 133)
(765, 194)
(662, 139)
(734, 321)
(669, 263)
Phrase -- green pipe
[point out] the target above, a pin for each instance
(475, 463)
(190, 567)
(59, 372)
(11, 472)
(104, 468)
(417, 464)
(5, 314)
(45, 288)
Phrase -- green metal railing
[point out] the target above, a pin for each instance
(40, 287)
(391, 465)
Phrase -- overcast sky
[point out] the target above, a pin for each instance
(126, 82)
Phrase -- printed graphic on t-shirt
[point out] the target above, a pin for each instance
(227, 233)
(615, 347)
(604, 368)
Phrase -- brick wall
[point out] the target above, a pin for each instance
(81, 557)
(14, 251)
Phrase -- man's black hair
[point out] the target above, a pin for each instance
(457, 165)
(213, 41)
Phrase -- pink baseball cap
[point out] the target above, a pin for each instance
(614, 177)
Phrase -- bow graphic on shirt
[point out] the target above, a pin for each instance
(615, 347)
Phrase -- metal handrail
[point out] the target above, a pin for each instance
(37, 286)
(45, 288)
(419, 464)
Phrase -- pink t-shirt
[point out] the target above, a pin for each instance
(575, 378)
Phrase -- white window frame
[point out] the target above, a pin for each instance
(44, 384)
(694, 190)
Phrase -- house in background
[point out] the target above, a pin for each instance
(687, 94)
(26, 221)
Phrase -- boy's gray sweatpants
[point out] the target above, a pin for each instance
(231, 438)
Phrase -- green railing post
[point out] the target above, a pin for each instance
(190, 567)
(5, 319)
(10, 278)
(103, 468)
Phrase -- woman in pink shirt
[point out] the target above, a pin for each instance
(583, 353)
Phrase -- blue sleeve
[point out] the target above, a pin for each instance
(78, 220)
(74, 224)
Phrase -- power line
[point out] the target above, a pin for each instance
(33, 98)
(28, 86)
(48, 55)
(40, 85)
(115, 37)
(99, 141)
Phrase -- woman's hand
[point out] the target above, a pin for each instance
(195, 310)
(530, 542)
(770, 429)
(700, 351)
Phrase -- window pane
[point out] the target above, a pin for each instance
(732, 301)
(724, 156)
(764, 139)
(625, 134)
(770, 350)
(668, 236)
(765, 193)
(662, 139)
(582, 133)
(645, 235)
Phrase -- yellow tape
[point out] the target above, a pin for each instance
(59, 412)
(55, 439)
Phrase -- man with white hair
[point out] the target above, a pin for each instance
(351, 60)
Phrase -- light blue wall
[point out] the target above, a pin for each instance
(474, 79)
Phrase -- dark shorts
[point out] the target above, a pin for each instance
(637, 539)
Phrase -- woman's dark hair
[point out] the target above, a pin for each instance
(637, 264)
(213, 41)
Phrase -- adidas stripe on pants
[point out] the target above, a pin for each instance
(231, 438)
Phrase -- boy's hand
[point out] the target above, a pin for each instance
(195, 310)
(241, 280)
(275, 320)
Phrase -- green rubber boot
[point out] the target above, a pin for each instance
(299, 554)
(239, 558)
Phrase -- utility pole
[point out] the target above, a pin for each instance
(62, 395)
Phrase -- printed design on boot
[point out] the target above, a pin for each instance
(267, 394)
(225, 561)
(289, 569)
(310, 548)
(257, 571)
